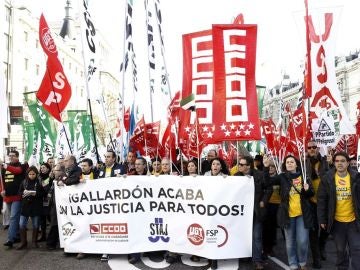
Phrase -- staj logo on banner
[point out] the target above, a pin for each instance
(158, 230)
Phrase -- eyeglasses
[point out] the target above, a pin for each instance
(312, 147)
(243, 164)
(139, 164)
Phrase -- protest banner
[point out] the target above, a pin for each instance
(206, 216)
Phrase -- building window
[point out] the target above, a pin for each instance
(37, 67)
(69, 66)
(37, 44)
(25, 89)
(26, 63)
(26, 36)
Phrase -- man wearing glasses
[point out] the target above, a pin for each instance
(12, 176)
(338, 208)
(261, 197)
(316, 166)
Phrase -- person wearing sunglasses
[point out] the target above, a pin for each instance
(316, 166)
(261, 197)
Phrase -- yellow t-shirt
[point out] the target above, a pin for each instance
(234, 170)
(344, 211)
(315, 184)
(89, 176)
(275, 196)
(294, 198)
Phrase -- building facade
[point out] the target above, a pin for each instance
(24, 64)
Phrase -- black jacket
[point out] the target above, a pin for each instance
(327, 198)
(12, 181)
(323, 168)
(32, 205)
(285, 182)
(116, 169)
(263, 193)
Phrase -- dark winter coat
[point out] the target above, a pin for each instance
(285, 182)
(32, 206)
(326, 201)
(263, 193)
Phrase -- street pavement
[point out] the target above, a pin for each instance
(41, 258)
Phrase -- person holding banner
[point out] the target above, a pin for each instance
(53, 235)
(111, 168)
(218, 168)
(261, 198)
(140, 169)
(294, 213)
(44, 176)
(338, 209)
(156, 165)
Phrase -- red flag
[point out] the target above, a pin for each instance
(168, 143)
(46, 40)
(219, 69)
(146, 138)
(127, 119)
(54, 91)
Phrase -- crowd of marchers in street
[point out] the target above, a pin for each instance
(305, 208)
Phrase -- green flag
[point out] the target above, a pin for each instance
(45, 125)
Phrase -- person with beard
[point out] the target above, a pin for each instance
(88, 170)
(13, 174)
(44, 177)
(354, 164)
(316, 167)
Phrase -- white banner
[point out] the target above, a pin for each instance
(206, 216)
(324, 132)
(90, 45)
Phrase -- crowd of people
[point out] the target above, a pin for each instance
(307, 202)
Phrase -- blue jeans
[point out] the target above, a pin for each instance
(24, 221)
(257, 241)
(297, 242)
(15, 208)
(347, 242)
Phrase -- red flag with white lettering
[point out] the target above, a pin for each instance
(223, 59)
(55, 90)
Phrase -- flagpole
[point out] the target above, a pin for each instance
(162, 47)
(151, 80)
